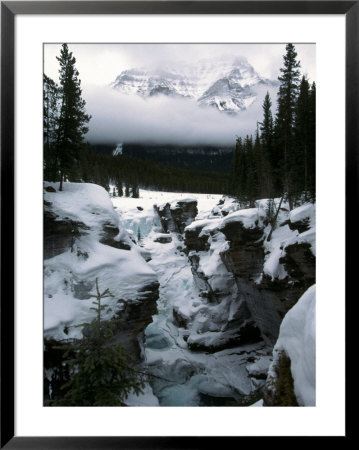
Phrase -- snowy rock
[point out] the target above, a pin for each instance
(302, 218)
(245, 255)
(265, 278)
(175, 216)
(297, 341)
(299, 262)
(163, 239)
(214, 341)
(259, 368)
(84, 240)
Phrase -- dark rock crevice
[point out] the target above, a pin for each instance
(60, 235)
(175, 217)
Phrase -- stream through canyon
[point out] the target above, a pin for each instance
(180, 376)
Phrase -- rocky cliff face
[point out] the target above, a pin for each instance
(268, 300)
(177, 215)
(246, 292)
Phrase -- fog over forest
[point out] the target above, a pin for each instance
(163, 119)
(122, 118)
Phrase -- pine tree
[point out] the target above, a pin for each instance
(241, 171)
(50, 117)
(127, 189)
(312, 140)
(135, 190)
(251, 188)
(100, 372)
(302, 136)
(285, 119)
(266, 127)
(269, 157)
(234, 171)
(73, 118)
(261, 175)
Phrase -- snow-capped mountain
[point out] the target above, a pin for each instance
(229, 84)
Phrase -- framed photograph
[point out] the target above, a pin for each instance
(169, 171)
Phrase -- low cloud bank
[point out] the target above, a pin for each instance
(165, 120)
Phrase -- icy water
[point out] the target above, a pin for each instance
(181, 377)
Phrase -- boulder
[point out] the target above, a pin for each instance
(163, 239)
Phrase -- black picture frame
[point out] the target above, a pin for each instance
(9, 9)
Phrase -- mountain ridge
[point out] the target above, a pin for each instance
(229, 84)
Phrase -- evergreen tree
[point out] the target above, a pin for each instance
(251, 188)
(312, 140)
(241, 171)
(302, 137)
(234, 170)
(285, 119)
(73, 118)
(135, 190)
(50, 117)
(127, 189)
(269, 157)
(266, 128)
(100, 373)
(261, 168)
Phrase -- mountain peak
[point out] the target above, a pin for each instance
(228, 83)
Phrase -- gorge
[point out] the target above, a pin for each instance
(199, 289)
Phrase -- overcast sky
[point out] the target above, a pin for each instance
(118, 118)
(101, 63)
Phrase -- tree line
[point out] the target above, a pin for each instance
(128, 174)
(280, 159)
